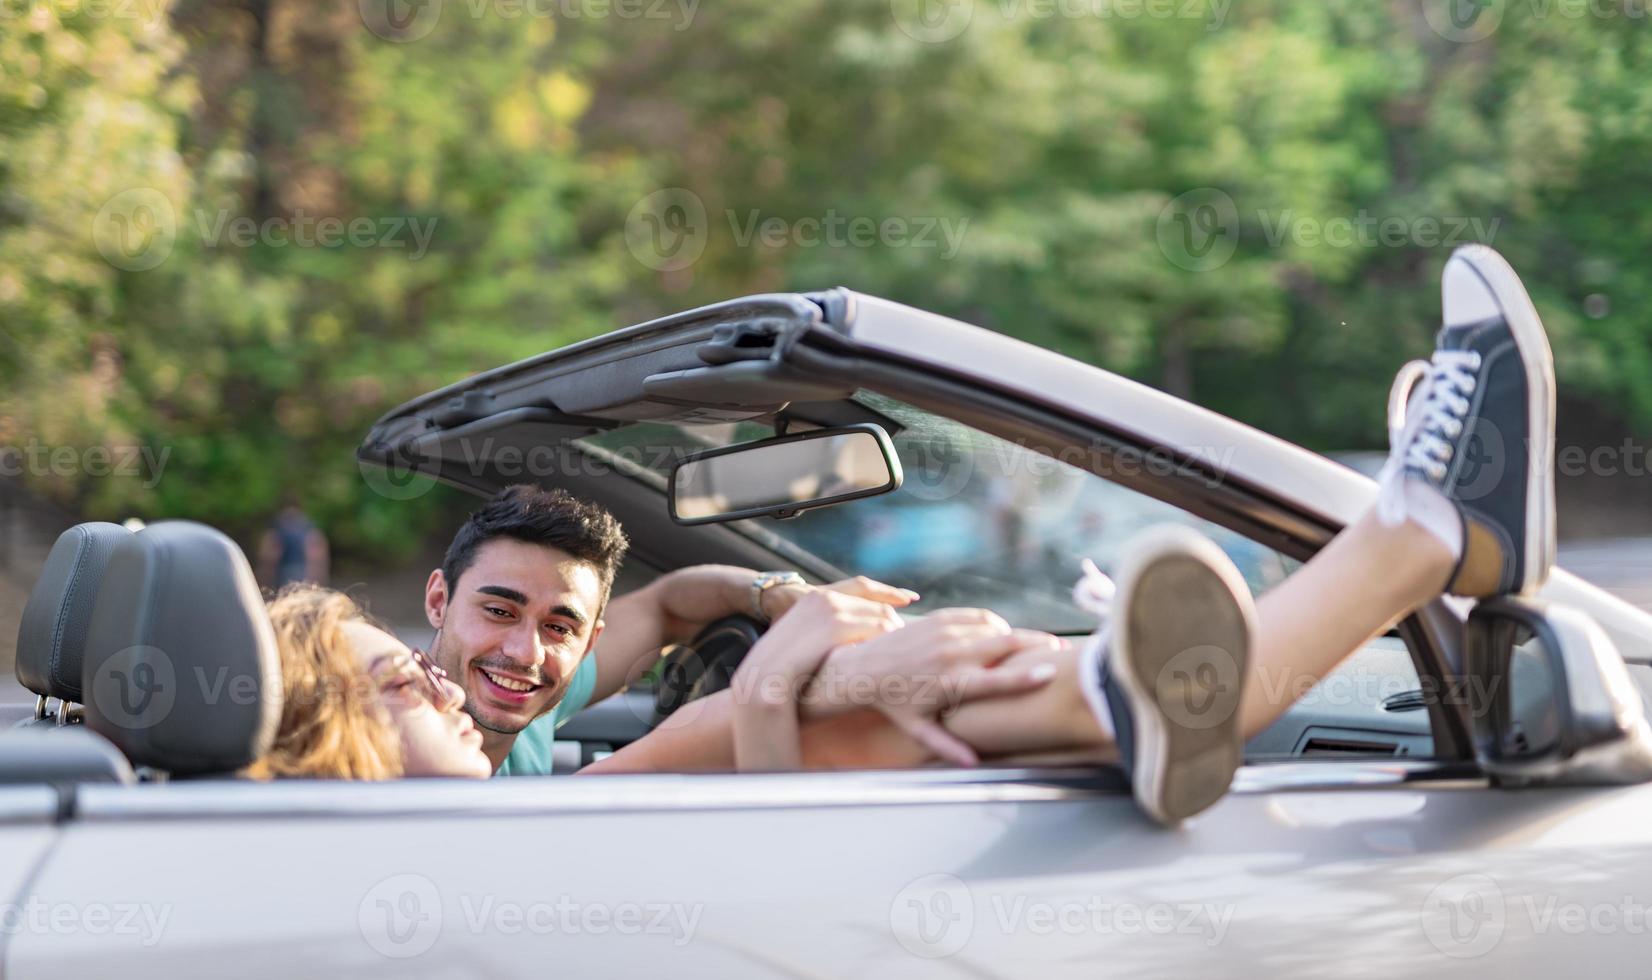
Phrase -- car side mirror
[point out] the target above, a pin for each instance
(1551, 698)
(785, 476)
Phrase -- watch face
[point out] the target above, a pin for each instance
(766, 581)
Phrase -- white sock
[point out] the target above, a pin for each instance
(1089, 680)
(1430, 510)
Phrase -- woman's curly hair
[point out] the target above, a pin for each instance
(332, 726)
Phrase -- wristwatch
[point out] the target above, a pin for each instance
(764, 582)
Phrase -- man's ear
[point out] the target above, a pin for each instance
(435, 599)
(596, 631)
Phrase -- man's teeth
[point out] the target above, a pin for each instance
(507, 683)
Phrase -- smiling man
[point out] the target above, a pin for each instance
(523, 622)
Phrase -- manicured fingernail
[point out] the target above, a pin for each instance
(1042, 673)
(911, 595)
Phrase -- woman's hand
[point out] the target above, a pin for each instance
(767, 685)
(916, 674)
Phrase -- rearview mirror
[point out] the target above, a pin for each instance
(784, 477)
(1552, 700)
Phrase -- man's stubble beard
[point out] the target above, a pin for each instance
(452, 662)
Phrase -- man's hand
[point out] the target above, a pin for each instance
(678, 605)
(777, 600)
(917, 674)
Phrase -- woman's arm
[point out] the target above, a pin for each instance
(1052, 720)
(1026, 707)
(703, 741)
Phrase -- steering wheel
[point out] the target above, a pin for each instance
(705, 665)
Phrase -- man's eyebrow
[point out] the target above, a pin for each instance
(508, 594)
(511, 595)
(569, 612)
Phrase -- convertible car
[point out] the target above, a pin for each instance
(1451, 801)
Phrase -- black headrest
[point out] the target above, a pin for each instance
(182, 671)
(51, 640)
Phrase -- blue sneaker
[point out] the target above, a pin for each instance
(1480, 428)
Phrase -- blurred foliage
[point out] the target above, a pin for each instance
(1053, 140)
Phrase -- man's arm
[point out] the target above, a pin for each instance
(678, 605)
(861, 712)
(700, 737)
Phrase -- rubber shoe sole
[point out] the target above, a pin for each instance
(1180, 651)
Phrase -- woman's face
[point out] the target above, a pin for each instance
(437, 737)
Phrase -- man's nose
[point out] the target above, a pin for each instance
(524, 649)
(527, 649)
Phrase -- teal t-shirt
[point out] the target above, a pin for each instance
(530, 754)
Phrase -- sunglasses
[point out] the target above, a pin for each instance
(433, 681)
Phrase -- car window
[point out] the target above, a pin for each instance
(978, 521)
(981, 521)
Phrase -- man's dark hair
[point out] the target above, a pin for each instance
(552, 518)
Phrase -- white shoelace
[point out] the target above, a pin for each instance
(1423, 440)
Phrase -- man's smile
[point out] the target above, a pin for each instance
(507, 689)
(507, 683)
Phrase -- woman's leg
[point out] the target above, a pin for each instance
(1369, 577)
(1466, 505)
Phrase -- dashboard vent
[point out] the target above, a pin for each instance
(1348, 746)
(1405, 701)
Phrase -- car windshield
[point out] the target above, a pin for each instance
(978, 521)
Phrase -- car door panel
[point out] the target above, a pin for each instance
(831, 875)
(28, 828)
